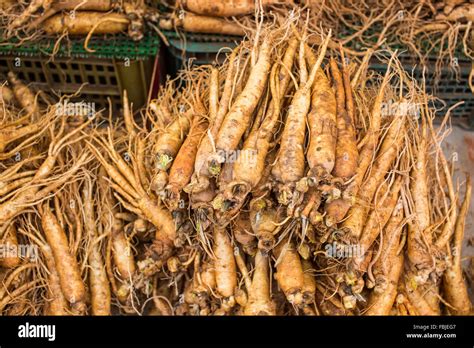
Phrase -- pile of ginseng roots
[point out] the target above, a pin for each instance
(32, 20)
(288, 181)
(437, 31)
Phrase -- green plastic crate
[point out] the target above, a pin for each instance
(200, 48)
(117, 64)
(112, 46)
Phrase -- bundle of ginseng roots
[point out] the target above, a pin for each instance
(31, 20)
(285, 182)
(439, 31)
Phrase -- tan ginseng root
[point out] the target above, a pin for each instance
(183, 165)
(30, 125)
(120, 246)
(98, 281)
(159, 110)
(189, 301)
(6, 94)
(190, 22)
(56, 303)
(376, 220)
(86, 23)
(420, 238)
(21, 305)
(7, 4)
(39, 186)
(388, 267)
(201, 178)
(289, 167)
(162, 305)
(265, 185)
(16, 289)
(424, 298)
(420, 279)
(12, 178)
(229, 200)
(454, 286)
(308, 211)
(137, 11)
(259, 295)
(166, 148)
(243, 233)
(249, 168)
(10, 133)
(337, 209)
(130, 192)
(202, 286)
(225, 268)
(309, 288)
(14, 277)
(421, 287)
(9, 243)
(66, 264)
(207, 286)
(32, 7)
(387, 153)
(419, 183)
(403, 306)
(427, 255)
(463, 12)
(449, 5)
(195, 294)
(321, 152)
(201, 204)
(17, 181)
(239, 116)
(27, 161)
(449, 220)
(72, 5)
(224, 8)
(6, 99)
(346, 145)
(265, 219)
(188, 306)
(24, 96)
(290, 275)
(241, 297)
